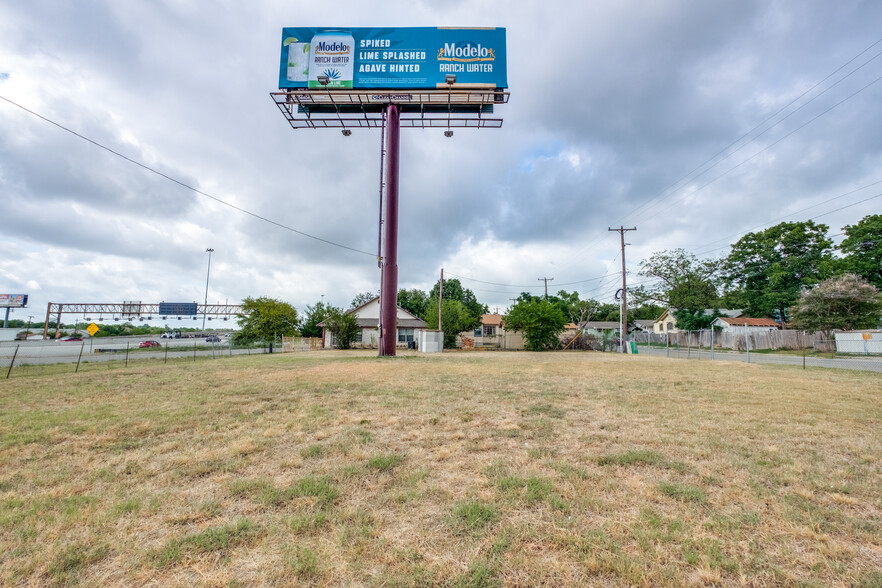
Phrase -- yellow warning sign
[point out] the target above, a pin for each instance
(92, 329)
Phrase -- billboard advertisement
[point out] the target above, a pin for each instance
(407, 58)
(13, 300)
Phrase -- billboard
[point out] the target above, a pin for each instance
(391, 58)
(13, 300)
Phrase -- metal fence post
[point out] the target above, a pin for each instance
(127, 354)
(194, 350)
(712, 344)
(14, 355)
(166, 352)
(83, 346)
(747, 342)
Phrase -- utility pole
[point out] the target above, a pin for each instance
(441, 305)
(546, 280)
(209, 251)
(624, 318)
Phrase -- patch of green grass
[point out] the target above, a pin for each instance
(127, 506)
(308, 522)
(384, 463)
(261, 490)
(304, 563)
(683, 492)
(200, 469)
(315, 486)
(212, 540)
(547, 410)
(479, 575)
(74, 557)
(870, 580)
(636, 457)
(313, 451)
(541, 452)
(473, 515)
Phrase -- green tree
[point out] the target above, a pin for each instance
(453, 290)
(541, 322)
(862, 249)
(343, 325)
(645, 312)
(689, 319)
(314, 315)
(766, 271)
(413, 301)
(264, 319)
(455, 318)
(679, 280)
(362, 298)
(845, 302)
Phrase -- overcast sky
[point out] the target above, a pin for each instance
(625, 112)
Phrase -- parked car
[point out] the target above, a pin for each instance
(150, 344)
(213, 339)
(72, 338)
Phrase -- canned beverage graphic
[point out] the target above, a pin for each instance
(332, 56)
(298, 62)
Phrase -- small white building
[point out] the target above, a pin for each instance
(667, 322)
(744, 325)
(859, 342)
(368, 318)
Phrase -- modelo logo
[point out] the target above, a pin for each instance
(335, 47)
(467, 52)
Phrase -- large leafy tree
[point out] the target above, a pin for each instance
(343, 325)
(453, 290)
(413, 301)
(314, 315)
(862, 249)
(455, 318)
(678, 279)
(266, 318)
(766, 271)
(845, 302)
(361, 298)
(541, 322)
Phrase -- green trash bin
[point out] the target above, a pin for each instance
(633, 347)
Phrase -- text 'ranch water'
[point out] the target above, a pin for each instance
(332, 56)
(298, 60)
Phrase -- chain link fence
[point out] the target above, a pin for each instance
(15, 356)
(776, 347)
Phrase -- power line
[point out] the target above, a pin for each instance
(661, 196)
(184, 184)
(767, 147)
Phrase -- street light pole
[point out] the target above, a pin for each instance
(207, 275)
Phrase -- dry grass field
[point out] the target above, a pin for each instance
(467, 469)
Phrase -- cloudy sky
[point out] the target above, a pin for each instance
(694, 121)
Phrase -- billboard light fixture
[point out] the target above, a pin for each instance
(346, 132)
(323, 80)
(450, 79)
(448, 134)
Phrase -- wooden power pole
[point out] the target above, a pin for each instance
(624, 334)
(546, 280)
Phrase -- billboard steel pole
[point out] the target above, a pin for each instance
(389, 293)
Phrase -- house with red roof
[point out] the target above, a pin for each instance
(745, 325)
